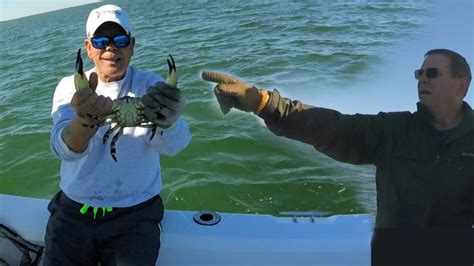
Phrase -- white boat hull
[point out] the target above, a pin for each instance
(238, 239)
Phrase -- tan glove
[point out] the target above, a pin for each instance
(232, 92)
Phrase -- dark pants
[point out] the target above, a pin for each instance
(418, 247)
(125, 236)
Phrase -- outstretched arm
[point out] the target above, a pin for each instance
(348, 138)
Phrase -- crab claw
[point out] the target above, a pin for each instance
(172, 78)
(80, 79)
(79, 63)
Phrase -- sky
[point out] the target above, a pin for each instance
(12, 9)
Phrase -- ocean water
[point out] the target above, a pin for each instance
(234, 163)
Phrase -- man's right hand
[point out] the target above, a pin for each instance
(89, 106)
(232, 92)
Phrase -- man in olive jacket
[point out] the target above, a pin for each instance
(424, 160)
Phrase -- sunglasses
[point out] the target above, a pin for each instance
(430, 73)
(101, 42)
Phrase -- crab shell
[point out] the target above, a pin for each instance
(127, 112)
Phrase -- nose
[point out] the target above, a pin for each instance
(111, 46)
(423, 78)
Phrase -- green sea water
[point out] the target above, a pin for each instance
(234, 163)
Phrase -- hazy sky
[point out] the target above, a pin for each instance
(11, 9)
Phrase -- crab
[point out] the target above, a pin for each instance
(126, 111)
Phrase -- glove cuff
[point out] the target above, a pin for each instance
(264, 96)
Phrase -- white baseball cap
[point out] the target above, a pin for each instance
(107, 13)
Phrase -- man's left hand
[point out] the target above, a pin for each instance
(163, 104)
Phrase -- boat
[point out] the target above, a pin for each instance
(212, 238)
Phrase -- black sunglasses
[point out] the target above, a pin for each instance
(430, 73)
(101, 42)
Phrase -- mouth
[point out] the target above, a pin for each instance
(423, 92)
(112, 60)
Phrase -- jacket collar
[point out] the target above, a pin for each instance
(466, 125)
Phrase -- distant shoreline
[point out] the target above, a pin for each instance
(11, 10)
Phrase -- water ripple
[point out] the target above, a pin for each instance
(300, 46)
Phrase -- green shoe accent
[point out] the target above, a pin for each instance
(105, 210)
(95, 212)
(84, 209)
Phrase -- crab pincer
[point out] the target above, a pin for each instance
(172, 78)
(80, 80)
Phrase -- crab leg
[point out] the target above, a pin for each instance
(108, 132)
(113, 151)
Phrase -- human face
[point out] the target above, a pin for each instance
(442, 92)
(111, 63)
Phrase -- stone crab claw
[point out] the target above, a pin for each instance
(82, 83)
(80, 79)
(172, 78)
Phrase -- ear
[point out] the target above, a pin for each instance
(463, 87)
(132, 45)
(88, 46)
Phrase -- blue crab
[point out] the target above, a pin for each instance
(126, 111)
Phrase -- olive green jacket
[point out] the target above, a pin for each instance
(424, 177)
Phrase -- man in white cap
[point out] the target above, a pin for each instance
(110, 211)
